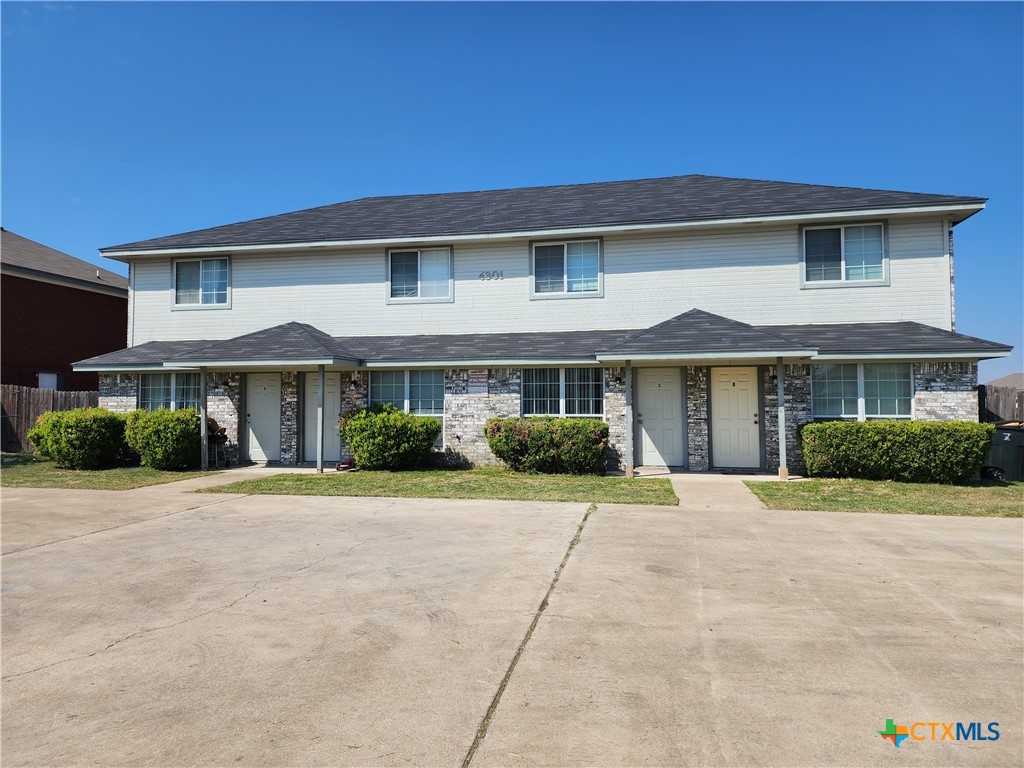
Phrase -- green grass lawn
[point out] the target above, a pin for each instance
(988, 498)
(24, 470)
(483, 483)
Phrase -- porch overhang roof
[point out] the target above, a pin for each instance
(693, 337)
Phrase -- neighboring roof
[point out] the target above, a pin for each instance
(692, 334)
(29, 258)
(885, 338)
(645, 201)
(1013, 381)
(698, 332)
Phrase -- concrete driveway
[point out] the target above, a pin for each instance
(156, 627)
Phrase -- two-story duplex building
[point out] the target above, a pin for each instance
(703, 318)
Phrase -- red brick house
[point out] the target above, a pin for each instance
(55, 309)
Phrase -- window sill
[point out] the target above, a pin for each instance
(418, 300)
(817, 284)
(566, 295)
(198, 307)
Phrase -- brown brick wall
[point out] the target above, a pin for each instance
(46, 327)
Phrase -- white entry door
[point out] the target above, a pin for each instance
(332, 410)
(735, 435)
(660, 416)
(263, 416)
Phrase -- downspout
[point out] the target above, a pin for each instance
(204, 441)
(629, 419)
(779, 381)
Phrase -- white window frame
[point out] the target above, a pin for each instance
(842, 282)
(174, 386)
(449, 299)
(561, 396)
(175, 306)
(406, 389)
(862, 414)
(565, 293)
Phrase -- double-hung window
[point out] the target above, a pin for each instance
(571, 268)
(844, 254)
(201, 283)
(862, 391)
(417, 392)
(563, 392)
(424, 274)
(173, 391)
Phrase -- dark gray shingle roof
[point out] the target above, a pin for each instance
(643, 201)
(695, 332)
(699, 332)
(24, 254)
(883, 338)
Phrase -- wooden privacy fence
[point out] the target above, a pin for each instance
(23, 405)
(1000, 403)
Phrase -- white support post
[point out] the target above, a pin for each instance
(779, 375)
(204, 436)
(320, 418)
(629, 419)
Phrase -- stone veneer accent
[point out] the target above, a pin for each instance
(797, 392)
(119, 392)
(355, 394)
(946, 391)
(697, 417)
(289, 417)
(223, 404)
(466, 414)
(616, 417)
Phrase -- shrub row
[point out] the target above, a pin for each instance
(94, 438)
(545, 444)
(909, 451)
(383, 437)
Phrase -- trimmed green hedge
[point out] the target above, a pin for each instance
(383, 437)
(910, 451)
(549, 445)
(165, 439)
(85, 438)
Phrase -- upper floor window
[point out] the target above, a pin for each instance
(848, 253)
(168, 390)
(199, 282)
(417, 392)
(572, 268)
(862, 391)
(563, 392)
(420, 274)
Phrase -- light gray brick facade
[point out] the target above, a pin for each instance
(943, 391)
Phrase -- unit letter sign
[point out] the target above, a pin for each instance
(476, 379)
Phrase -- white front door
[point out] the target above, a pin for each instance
(332, 410)
(660, 416)
(263, 416)
(735, 435)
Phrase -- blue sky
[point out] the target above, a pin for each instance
(123, 121)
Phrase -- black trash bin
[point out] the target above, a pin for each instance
(1008, 452)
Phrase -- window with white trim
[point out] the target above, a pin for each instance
(569, 268)
(172, 391)
(200, 282)
(563, 392)
(862, 391)
(420, 274)
(844, 254)
(419, 392)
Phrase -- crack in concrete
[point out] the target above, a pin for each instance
(124, 525)
(257, 585)
(481, 732)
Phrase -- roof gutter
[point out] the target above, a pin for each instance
(243, 363)
(130, 253)
(618, 355)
